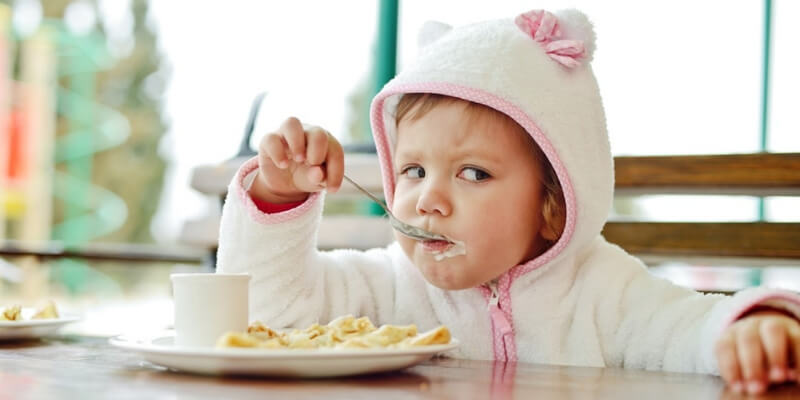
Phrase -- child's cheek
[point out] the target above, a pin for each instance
(403, 205)
(406, 244)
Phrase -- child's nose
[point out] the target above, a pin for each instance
(433, 200)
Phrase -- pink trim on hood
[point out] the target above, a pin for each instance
(384, 149)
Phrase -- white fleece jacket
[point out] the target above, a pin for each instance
(583, 302)
(597, 307)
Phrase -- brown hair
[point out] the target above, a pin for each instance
(413, 106)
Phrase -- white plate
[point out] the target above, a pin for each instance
(36, 328)
(284, 362)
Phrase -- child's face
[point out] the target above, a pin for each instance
(472, 180)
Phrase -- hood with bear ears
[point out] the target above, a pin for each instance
(534, 68)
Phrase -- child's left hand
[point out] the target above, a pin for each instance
(758, 350)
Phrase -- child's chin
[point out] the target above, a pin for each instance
(447, 284)
(452, 287)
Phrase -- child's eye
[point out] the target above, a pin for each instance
(474, 174)
(415, 172)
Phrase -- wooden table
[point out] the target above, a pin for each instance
(89, 368)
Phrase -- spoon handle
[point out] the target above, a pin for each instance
(366, 192)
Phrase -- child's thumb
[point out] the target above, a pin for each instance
(316, 176)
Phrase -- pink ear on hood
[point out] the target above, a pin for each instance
(568, 38)
(431, 31)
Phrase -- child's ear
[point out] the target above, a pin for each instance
(548, 232)
(431, 31)
(554, 217)
(553, 222)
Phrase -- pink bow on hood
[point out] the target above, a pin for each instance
(544, 28)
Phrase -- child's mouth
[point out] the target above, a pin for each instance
(442, 249)
(436, 246)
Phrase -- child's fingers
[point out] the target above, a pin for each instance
(317, 139)
(751, 357)
(794, 340)
(274, 147)
(316, 177)
(774, 340)
(295, 136)
(334, 165)
(728, 363)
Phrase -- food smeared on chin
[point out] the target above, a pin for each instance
(346, 332)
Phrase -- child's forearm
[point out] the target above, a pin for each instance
(293, 283)
(273, 248)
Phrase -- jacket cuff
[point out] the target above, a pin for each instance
(780, 300)
(237, 187)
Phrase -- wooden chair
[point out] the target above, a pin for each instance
(755, 243)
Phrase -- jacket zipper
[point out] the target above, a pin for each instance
(501, 327)
(494, 299)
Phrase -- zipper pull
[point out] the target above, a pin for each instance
(499, 318)
(501, 326)
(495, 298)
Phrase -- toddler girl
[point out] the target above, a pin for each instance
(495, 139)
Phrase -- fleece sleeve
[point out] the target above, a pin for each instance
(650, 323)
(294, 284)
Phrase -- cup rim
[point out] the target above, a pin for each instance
(209, 275)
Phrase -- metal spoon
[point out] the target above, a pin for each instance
(402, 227)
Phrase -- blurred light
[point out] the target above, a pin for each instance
(80, 17)
(677, 208)
(783, 209)
(155, 85)
(27, 16)
(118, 24)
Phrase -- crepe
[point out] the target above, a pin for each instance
(48, 311)
(14, 312)
(346, 332)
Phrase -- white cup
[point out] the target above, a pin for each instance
(207, 305)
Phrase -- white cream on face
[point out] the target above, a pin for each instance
(457, 249)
